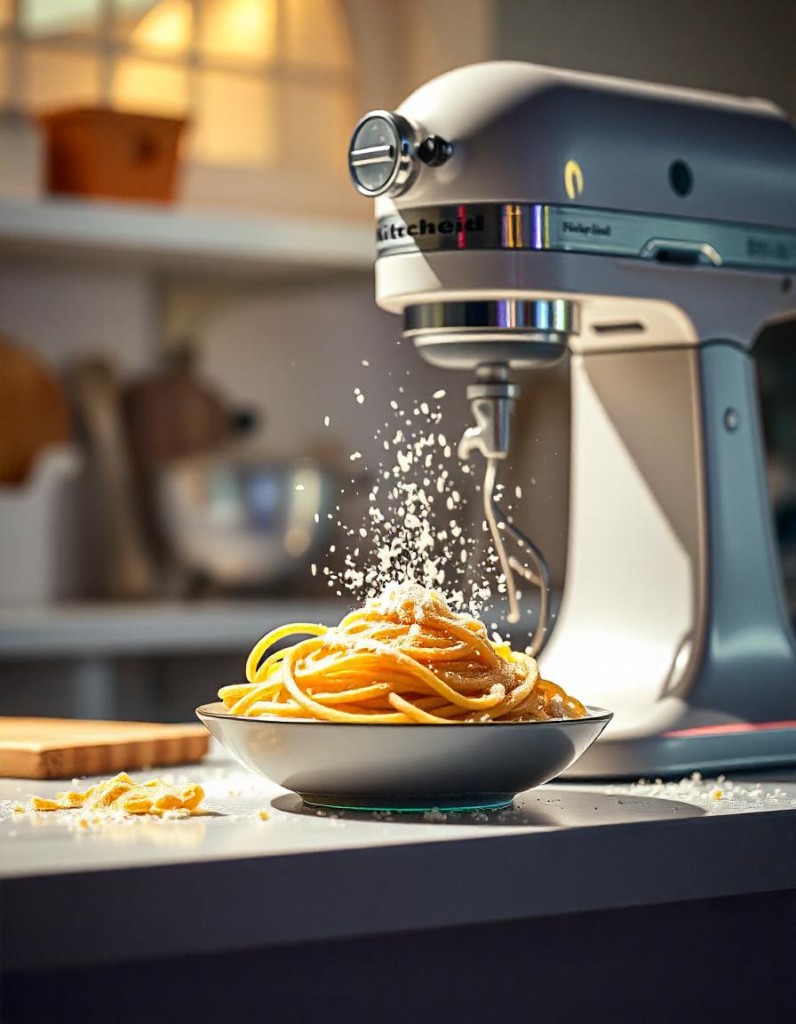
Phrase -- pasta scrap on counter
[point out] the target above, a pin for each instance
(121, 793)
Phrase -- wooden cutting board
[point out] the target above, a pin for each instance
(64, 748)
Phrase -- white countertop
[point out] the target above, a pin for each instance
(230, 880)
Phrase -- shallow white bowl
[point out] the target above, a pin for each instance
(404, 767)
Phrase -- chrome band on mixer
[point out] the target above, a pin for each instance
(528, 317)
(554, 228)
(517, 332)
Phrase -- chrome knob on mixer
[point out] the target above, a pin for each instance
(386, 152)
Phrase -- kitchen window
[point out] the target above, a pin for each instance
(246, 73)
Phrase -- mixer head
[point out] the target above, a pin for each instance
(523, 211)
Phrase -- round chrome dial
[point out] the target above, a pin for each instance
(382, 157)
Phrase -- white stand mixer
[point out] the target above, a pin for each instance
(526, 213)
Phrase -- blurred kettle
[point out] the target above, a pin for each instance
(173, 413)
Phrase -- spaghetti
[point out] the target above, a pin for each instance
(405, 657)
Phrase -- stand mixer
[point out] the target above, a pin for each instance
(525, 214)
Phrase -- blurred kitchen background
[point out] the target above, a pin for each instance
(186, 294)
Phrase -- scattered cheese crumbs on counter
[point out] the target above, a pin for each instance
(718, 795)
(263, 815)
(121, 793)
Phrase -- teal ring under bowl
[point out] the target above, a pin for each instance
(418, 805)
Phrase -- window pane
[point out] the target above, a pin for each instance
(238, 29)
(43, 19)
(55, 78)
(235, 121)
(317, 34)
(148, 87)
(319, 124)
(163, 28)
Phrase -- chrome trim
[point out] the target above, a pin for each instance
(536, 318)
(464, 335)
(372, 155)
(578, 229)
(703, 251)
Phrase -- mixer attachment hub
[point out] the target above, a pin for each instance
(520, 333)
(492, 400)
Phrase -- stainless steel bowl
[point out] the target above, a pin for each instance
(404, 767)
(242, 522)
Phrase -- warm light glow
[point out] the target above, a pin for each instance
(166, 27)
(235, 115)
(233, 29)
(237, 119)
(242, 29)
(316, 34)
(147, 87)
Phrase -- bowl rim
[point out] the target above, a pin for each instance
(595, 714)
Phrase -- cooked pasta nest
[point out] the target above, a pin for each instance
(404, 658)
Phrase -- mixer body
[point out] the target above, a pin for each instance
(649, 234)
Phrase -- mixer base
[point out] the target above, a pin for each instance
(709, 749)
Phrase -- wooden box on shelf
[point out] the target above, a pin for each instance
(103, 152)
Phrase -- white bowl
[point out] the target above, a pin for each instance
(404, 767)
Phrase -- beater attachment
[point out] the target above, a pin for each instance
(492, 398)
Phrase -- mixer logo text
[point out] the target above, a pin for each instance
(399, 230)
(578, 227)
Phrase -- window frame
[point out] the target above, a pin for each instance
(110, 49)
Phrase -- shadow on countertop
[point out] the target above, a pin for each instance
(549, 807)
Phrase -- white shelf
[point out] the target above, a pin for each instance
(104, 629)
(175, 240)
